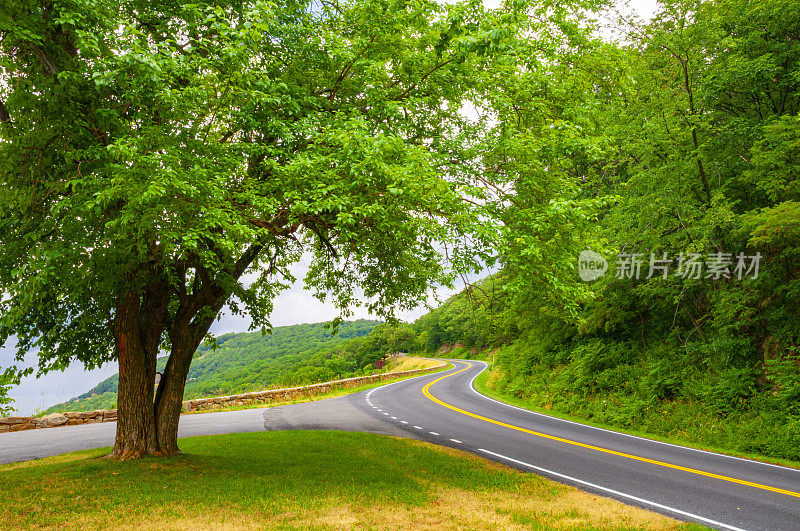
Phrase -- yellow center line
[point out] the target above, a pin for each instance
(427, 393)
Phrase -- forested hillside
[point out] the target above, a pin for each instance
(675, 156)
(290, 355)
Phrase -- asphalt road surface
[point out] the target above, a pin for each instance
(339, 413)
(716, 490)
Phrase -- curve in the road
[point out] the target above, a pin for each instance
(721, 491)
(453, 413)
(426, 391)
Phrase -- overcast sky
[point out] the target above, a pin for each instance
(294, 306)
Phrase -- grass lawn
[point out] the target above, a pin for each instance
(317, 479)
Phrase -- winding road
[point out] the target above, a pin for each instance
(716, 490)
(444, 408)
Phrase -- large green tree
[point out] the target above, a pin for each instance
(160, 160)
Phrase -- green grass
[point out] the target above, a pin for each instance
(309, 479)
(482, 386)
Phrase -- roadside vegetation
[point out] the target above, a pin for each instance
(248, 480)
(616, 385)
(699, 437)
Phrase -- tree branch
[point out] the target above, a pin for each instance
(322, 238)
(5, 117)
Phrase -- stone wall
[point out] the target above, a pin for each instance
(293, 393)
(53, 420)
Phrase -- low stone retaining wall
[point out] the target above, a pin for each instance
(54, 420)
(292, 393)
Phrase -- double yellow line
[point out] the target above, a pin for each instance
(427, 393)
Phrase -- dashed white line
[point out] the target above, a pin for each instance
(456, 441)
(403, 422)
(385, 413)
(418, 427)
(394, 418)
(615, 492)
(433, 433)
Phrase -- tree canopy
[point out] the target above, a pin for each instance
(183, 145)
(161, 160)
(678, 142)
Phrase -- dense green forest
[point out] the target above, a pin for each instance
(675, 155)
(289, 356)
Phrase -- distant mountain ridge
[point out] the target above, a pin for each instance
(243, 362)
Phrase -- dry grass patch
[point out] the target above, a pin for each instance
(410, 363)
(461, 509)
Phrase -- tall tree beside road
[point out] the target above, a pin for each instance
(160, 160)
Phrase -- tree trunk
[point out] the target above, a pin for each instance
(147, 424)
(169, 398)
(137, 370)
(186, 335)
(138, 326)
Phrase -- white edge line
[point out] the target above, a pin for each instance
(614, 492)
(536, 413)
